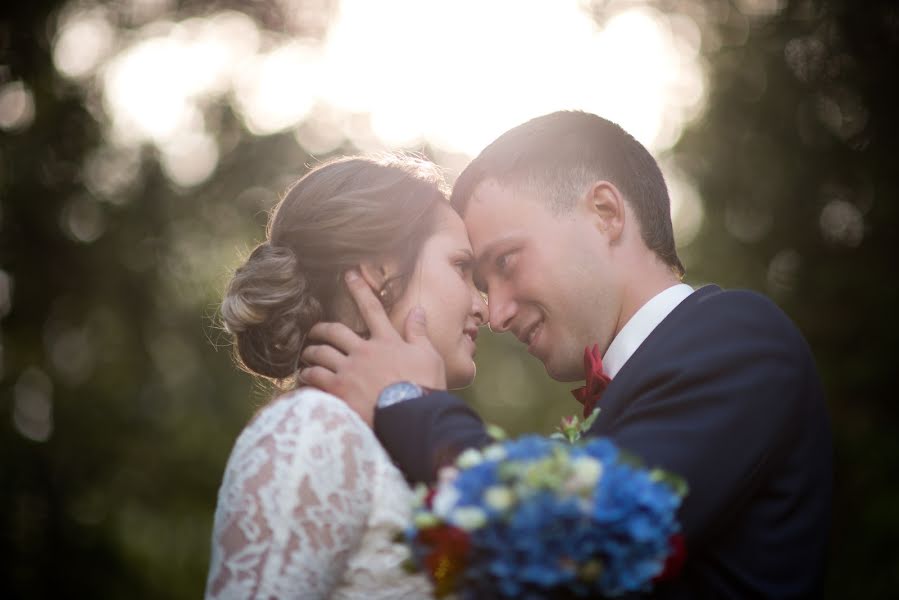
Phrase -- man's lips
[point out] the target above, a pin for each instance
(528, 335)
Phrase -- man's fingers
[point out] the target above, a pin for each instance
(337, 335)
(319, 377)
(369, 307)
(323, 356)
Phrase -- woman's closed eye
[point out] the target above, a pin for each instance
(464, 265)
(463, 262)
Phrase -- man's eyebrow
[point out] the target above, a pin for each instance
(491, 249)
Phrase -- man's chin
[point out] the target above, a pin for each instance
(562, 374)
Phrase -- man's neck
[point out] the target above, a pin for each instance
(641, 290)
(641, 325)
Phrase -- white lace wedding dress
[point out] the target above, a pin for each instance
(309, 508)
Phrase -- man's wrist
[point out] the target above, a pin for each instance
(398, 392)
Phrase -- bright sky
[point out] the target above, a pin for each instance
(391, 74)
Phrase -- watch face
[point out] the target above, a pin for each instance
(397, 392)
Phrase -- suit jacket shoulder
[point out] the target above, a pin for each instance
(724, 392)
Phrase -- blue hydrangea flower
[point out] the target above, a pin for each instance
(610, 540)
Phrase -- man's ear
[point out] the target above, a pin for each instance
(604, 205)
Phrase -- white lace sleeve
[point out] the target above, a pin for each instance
(294, 502)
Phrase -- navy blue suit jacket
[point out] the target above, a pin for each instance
(725, 393)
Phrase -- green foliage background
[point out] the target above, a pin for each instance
(146, 403)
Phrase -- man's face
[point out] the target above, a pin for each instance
(548, 278)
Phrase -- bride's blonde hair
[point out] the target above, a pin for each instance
(338, 215)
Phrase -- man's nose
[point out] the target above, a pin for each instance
(501, 311)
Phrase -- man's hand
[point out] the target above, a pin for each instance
(355, 369)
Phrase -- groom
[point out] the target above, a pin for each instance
(569, 220)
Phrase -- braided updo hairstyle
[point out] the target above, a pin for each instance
(337, 216)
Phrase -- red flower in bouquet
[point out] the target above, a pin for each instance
(675, 561)
(596, 380)
(446, 560)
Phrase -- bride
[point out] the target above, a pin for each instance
(310, 502)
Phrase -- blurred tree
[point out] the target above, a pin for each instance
(796, 163)
(121, 414)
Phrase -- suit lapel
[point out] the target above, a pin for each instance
(650, 353)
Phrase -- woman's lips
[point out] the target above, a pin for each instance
(471, 334)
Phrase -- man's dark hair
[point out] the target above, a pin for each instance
(559, 155)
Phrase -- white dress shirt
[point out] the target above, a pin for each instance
(638, 328)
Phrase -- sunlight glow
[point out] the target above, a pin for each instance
(392, 74)
(147, 95)
(459, 91)
(275, 90)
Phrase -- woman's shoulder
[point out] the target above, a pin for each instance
(307, 405)
(305, 433)
(301, 417)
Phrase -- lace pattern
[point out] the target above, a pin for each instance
(308, 508)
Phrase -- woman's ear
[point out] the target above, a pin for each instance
(604, 205)
(376, 273)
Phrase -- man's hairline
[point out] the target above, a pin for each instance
(533, 185)
(523, 183)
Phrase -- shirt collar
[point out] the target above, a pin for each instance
(638, 328)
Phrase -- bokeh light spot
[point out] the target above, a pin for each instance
(16, 106)
(842, 223)
(190, 159)
(746, 222)
(82, 42)
(276, 90)
(6, 291)
(33, 405)
(83, 220)
(686, 206)
(71, 354)
(783, 271)
(109, 172)
(761, 8)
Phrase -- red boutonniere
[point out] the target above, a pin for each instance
(596, 379)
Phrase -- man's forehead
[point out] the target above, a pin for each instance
(491, 227)
(487, 215)
(496, 208)
(491, 189)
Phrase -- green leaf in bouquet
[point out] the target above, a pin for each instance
(676, 483)
(496, 432)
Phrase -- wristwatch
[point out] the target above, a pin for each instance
(399, 392)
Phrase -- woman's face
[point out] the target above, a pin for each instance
(442, 285)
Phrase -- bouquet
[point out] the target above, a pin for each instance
(546, 517)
